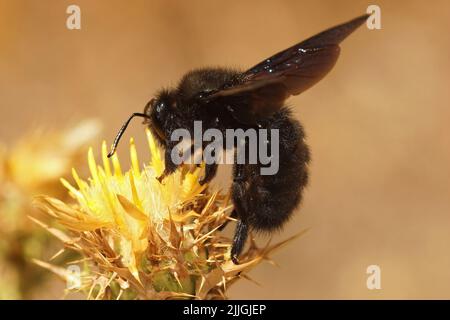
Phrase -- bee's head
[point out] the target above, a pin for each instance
(160, 112)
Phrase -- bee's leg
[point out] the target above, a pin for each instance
(169, 166)
(240, 236)
(210, 168)
(241, 212)
(210, 172)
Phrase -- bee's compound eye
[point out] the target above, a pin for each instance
(160, 106)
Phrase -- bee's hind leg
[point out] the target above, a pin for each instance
(240, 212)
(240, 236)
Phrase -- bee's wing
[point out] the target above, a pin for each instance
(263, 88)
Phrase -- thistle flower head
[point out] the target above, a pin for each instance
(28, 167)
(145, 239)
(36, 162)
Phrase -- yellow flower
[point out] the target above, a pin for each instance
(145, 239)
(28, 167)
(36, 162)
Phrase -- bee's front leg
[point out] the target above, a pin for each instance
(169, 165)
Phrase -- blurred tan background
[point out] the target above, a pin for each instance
(378, 125)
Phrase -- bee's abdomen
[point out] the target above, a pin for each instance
(270, 200)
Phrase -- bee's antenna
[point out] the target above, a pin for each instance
(122, 130)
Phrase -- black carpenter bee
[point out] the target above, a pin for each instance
(228, 99)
